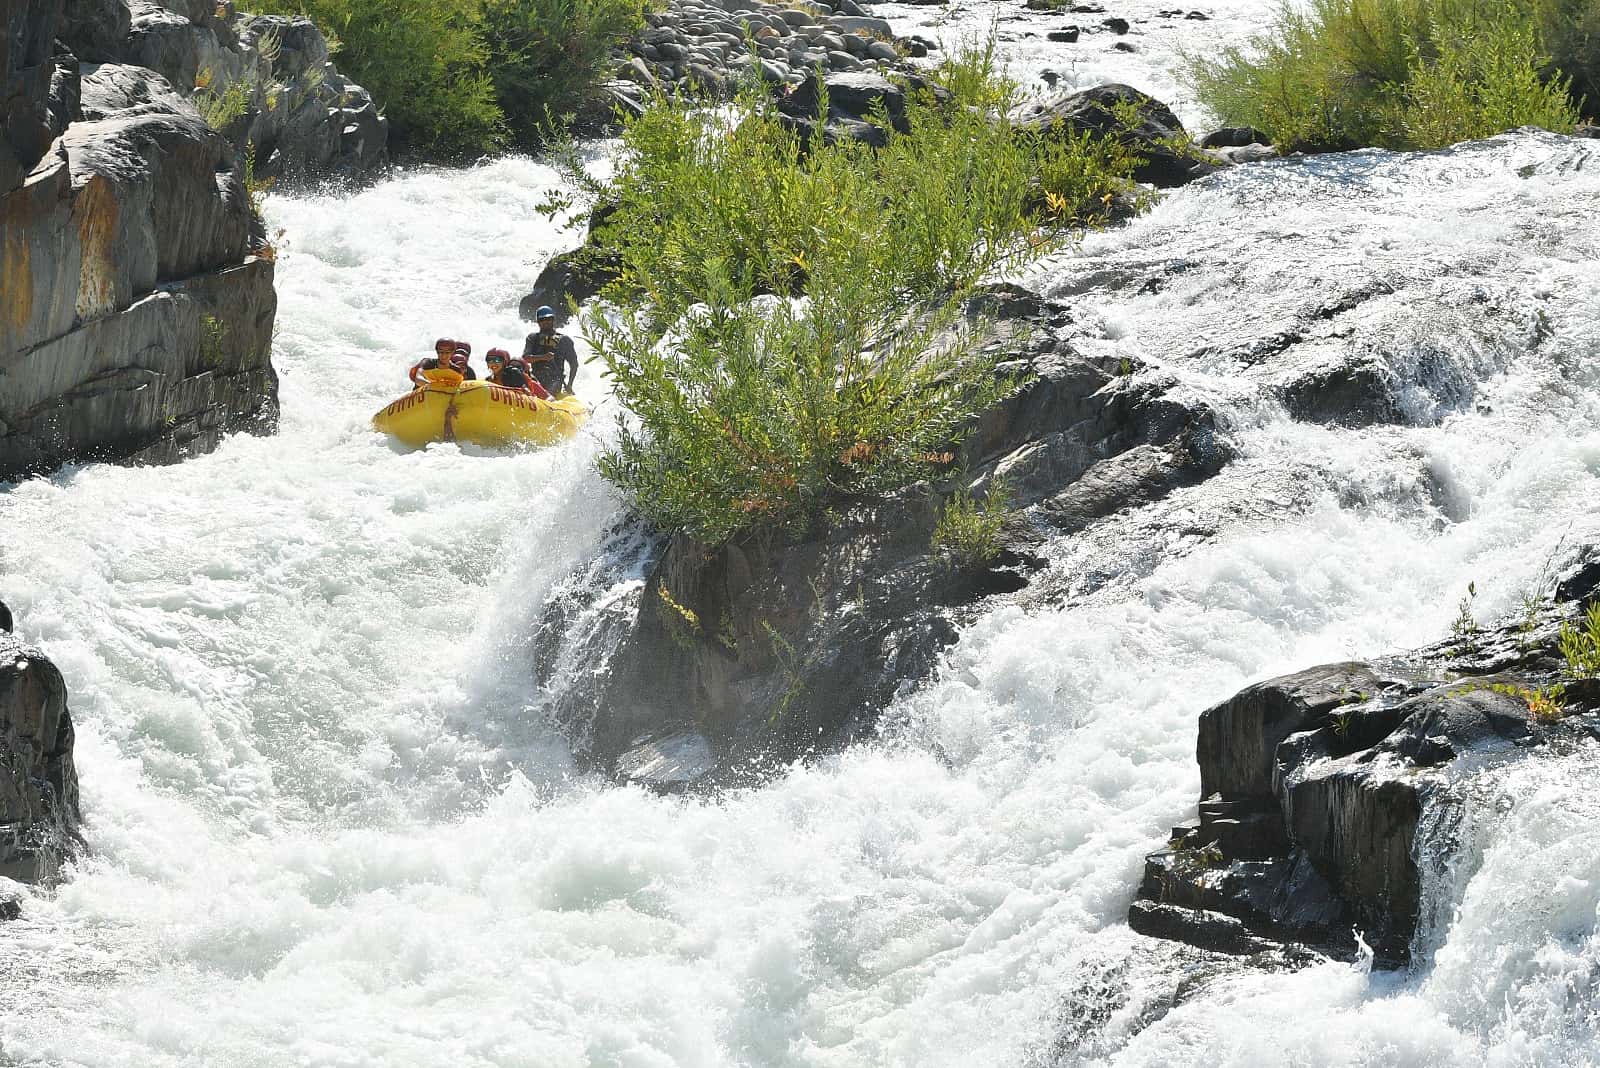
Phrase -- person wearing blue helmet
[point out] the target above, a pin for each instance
(552, 358)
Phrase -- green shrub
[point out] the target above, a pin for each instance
(768, 412)
(968, 532)
(461, 76)
(1580, 646)
(424, 61)
(548, 54)
(1342, 74)
(220, 108)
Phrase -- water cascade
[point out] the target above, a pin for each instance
(332, 825)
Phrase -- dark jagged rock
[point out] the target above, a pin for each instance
(1234, 137)
(572, 277)
(28, 122)
(1156, 136)
(95, 30)
(1314, 785)
(775, 646)
(1582, 584)
(1207, 930)
(38, 784)
(858, 102)
(6, 622)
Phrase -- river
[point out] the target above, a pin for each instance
(331, 825)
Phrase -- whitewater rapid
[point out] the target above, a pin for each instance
(331, 826)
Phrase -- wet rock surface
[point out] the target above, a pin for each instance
(1314, 785)
(38, 783)
(1154, 133)
(706, 47)
(772, 646)
(138, 281)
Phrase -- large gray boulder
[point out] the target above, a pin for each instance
(95, 30)
(38, 783)
(1315, 786)
(138, 320)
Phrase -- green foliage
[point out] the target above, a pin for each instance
(255, 188)
(1580, 645)
(548, 54)
(1546, 704)
(221, 108)
(213, 341)
(1464, 628)
(968, 532)
(765, 412)
(463, 76)
(424, 61)
(1339, 74)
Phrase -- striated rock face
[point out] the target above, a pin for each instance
(38, 785)
(769, 648)
(1314, 786)
(138, 302)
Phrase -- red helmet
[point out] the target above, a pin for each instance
(463, 348)
(444, 343)
(500, 353)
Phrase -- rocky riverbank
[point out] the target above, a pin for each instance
(38, 783)
(1318, 788)
(769, 650)
(707, 46)
(137, 279)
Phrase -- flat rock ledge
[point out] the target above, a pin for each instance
(1314, 786)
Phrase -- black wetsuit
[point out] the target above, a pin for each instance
(553, 360)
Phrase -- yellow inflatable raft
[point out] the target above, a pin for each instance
(480, 413)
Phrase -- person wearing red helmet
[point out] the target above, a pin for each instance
(443, 350)
(459, 364)
(503, 371)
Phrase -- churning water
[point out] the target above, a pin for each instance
(331, 827)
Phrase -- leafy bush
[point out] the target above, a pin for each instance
(424, 61)
(766, 412)
(1342, 74)
(1580, 646)
(968, 532)
(220, 109)
(457, 76)
(548, 54)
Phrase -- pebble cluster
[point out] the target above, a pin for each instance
(706, 45)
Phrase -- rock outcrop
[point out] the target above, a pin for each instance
(706, 47)
(768, 647)
(137, 281)
(38, 784)
(1144, 124)
(1314, 786)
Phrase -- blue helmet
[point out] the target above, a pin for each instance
(545, 312)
